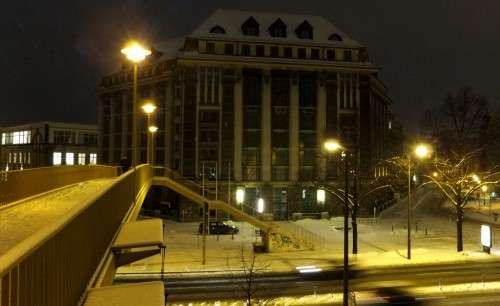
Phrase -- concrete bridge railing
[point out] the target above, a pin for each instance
(58, 264)
(20, 184)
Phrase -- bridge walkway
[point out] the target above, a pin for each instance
(22, 219)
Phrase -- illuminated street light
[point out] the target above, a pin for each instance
(435, 174)
(320, 196)
(260, 205)
(136, 54)
(240, 195)
(421, 151)
(476, 179)
(484, 188)
(332, 145)
(149, 107)
(153, 129)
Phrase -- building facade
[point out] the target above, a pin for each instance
(47, 144)
(251, 97)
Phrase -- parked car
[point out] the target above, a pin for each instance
(219, 228)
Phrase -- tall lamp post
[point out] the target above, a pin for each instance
(135, 53)
(332, 146)
(421, 151)
(151, 149)
(149, 109)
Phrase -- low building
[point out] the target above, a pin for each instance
(48, 143)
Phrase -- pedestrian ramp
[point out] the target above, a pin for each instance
(275, 237)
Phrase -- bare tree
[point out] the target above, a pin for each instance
(458, 181)
(460, 124)
(246, 280)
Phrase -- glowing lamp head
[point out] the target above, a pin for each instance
(435, 174)
(153, 129)
(484, 188)
(149, 108)
(240, 195)
(260, 205)
(320, 196)
(475, 178)
(422, 151)
(332, 145)
(135, 52)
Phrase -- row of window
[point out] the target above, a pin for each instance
(18, 137)
(277, 29)
(278, 51)
(69, 137)
(69, 158)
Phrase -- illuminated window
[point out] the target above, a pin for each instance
(4, 138)
(70, 158)
(56, 158)
(81, 158)
(93, 158)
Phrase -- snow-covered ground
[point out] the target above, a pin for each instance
(22, 220)
(381, 243)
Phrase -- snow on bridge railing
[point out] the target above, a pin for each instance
(18, 184)
(55, 266)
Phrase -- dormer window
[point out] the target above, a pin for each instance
(335, 37)
(250, 27)
(217, 30)
(278, 28)
(304, 30)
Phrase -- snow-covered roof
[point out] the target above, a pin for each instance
(169, 47)
(231, 21)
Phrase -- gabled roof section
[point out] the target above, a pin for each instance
(305, 30)
(217, 29)
(278, 28)
(232, 21)
(250, 27)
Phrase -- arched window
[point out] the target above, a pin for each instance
(335, 37)
(250, 27)
(218, 30)
(278, 28)
(304, 30)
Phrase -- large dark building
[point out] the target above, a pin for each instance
(252, 96)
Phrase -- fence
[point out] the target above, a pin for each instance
(54, 266)
(302, 233)
(19, 184)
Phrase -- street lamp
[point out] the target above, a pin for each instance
(136, 54)
(240, 196)
(421, 151)
(320, 196)
(148, 108)
(333, 146)
(151, 152)
(260, 205)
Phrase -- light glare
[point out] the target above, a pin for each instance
(135, 52)
(260, 205)
(332, 145)
(240, 195)
(320, 196)
(148, 108)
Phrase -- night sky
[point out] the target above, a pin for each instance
(54, 53)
